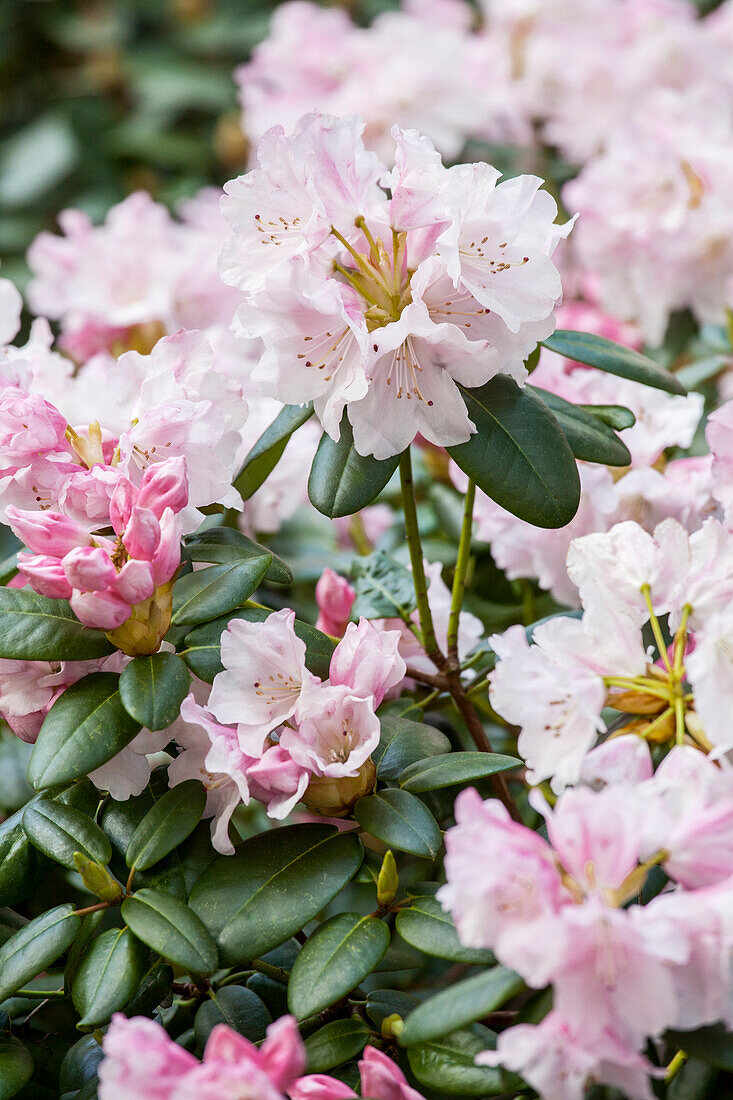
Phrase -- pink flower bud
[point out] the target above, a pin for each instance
(335, 598)
(102, 610)
(48, 533)
(121, 503)
(317, 1086)
(142, 534)
(164, 485)
(383, 1079)
(134, 582)
(89, 568)
(167, 557)
(282, 1053)
(46, 575)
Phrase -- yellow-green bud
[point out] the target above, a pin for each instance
(388, 881)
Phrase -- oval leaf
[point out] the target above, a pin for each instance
(617, 417)
(84, 728)
(16, 1066)
(448, 1067)
(237, 1007)
(605, 355)
(403, 742)
(273, 885)
(207, 593)
(203, 645)
(225, 544)
(36, 946)
(34, 628)
(22, 866)
(153, 688)
(427, 927)
(401, 821)
(333, 960)
(267, 451)
(336, 1043)
(460, 1004)
(172, 929)
(58, 831)
(519, 455)
(173, 818)
(590, 439)
(341, 480)
(454, 767)
(108, 975)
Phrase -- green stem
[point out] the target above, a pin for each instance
(275, 972)
(42, 994)
(459, 577)
(412, 530)
(675, 1065)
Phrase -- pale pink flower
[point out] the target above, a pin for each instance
(618, 760)
(335, 598)
(381, 1079)
(710, 671)
(141, 1062)
(367, 661)
(719, 434)
(11, 305)
(336, 733)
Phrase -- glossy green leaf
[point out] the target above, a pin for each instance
(167, 824)
(272, 886)
(519, 455)
(58, 831)
(341, 480)
(590, 439)
(36, 158)
(401, 821)
(454, 767)
(85, 728)
(22, 866)
(605, 355)
(80, 1064)
(460, 1004)
(267, 451)
(448, 1066)
(384, 588)
(38, 944)
(203, 645)
(237, 1007)
(219, 545)
(617, 417)
(426, 926)
(208, 593)
(108, 975)
(172, 929)
(403, 742)
(333, 960)
(16, 1066)
(712, 1045)
(152, 689)
(34, 628)
(335, 1043)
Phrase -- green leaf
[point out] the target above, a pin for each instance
(108, 975)
(173, 818)
(208, 593)
(333, 960)
(152, 689)
(225, 544)
(172, 929)
(712, 1045)
(272, 886)
(447, 1066)
(426, 926)
(203, 645)
(36, 159)
(461, 1003)
(454, 767)
(80, 1064)
(341, 480)
(38, 944)
(401, 821)
(34, 628)
(403, 742)
(267, 451)
(519, 455)
(336, 1043)
(22, 866)
(58, 831)
(590, 439)
(596, 351)
(16, 1066)
(384, 588)
(84, 728)
(617, 417)
(237, 1007)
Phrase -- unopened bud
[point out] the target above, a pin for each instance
(636, 702)
(97, 878)
(148, 624)
(388, 881)
(335, 796)
(392, 1026)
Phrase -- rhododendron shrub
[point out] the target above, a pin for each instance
(366, 583)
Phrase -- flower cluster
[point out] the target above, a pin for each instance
(558, 911)
(380, 305)
(273, 731)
